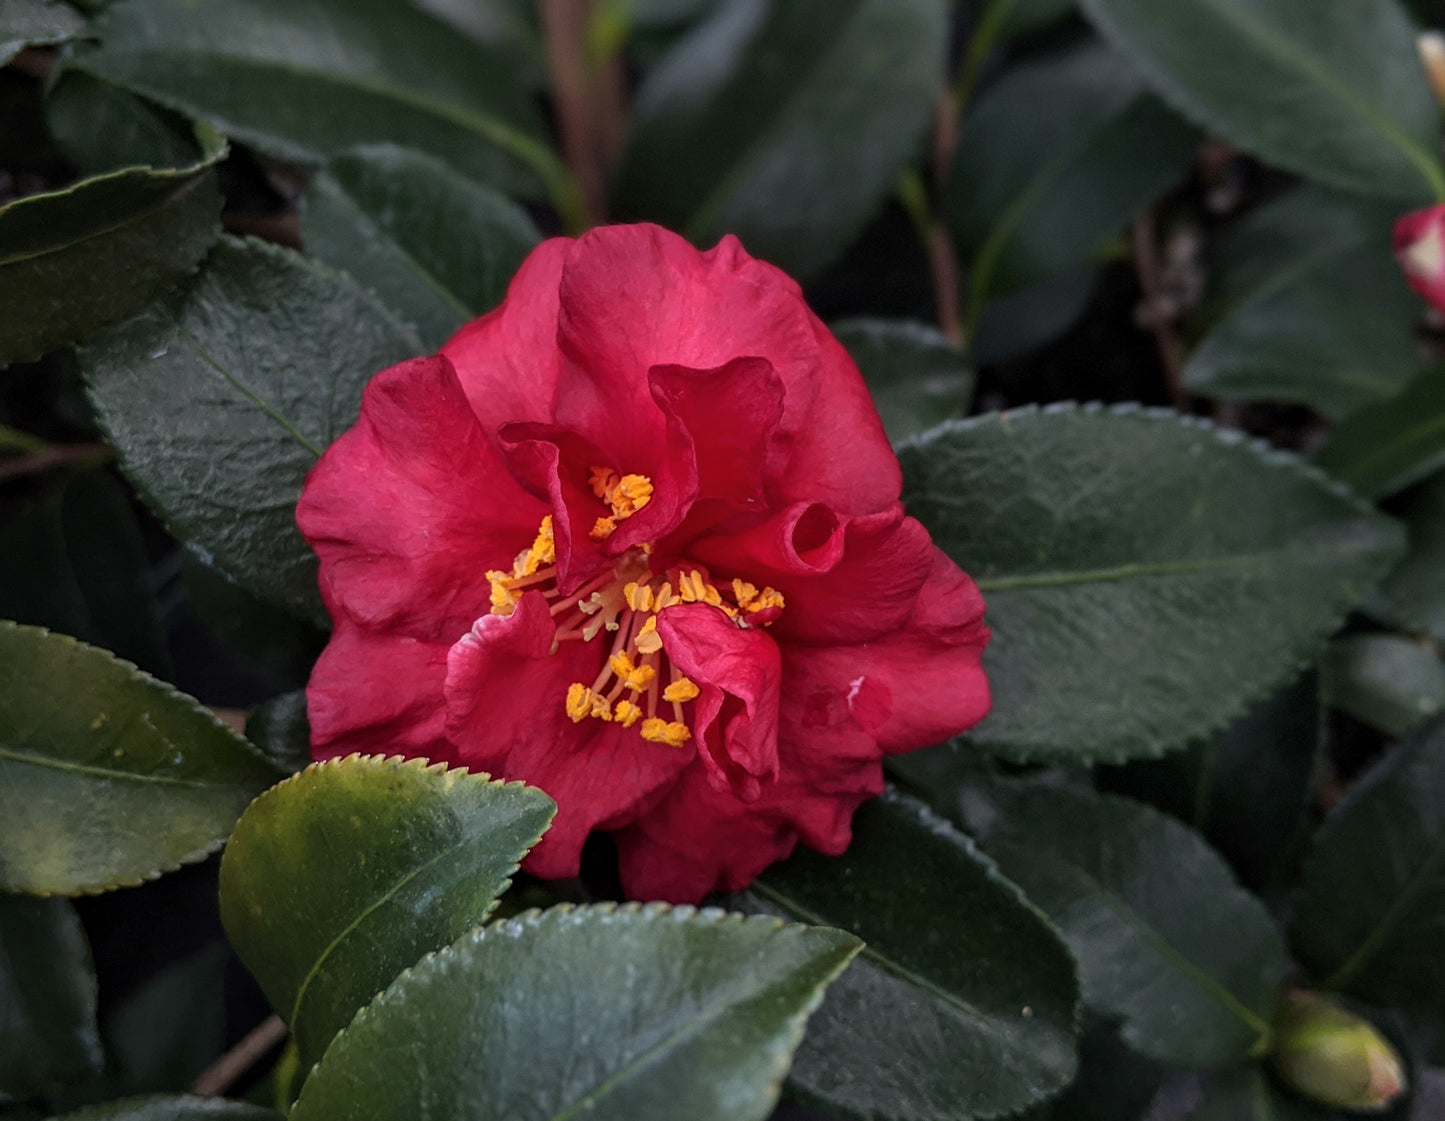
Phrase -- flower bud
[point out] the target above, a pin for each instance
(1333, 1056)
(1420, 248)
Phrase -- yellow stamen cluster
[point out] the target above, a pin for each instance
(752, 600)
(625, 494)
(531, 566)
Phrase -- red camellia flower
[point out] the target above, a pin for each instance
(635, 538)
(1420, 248)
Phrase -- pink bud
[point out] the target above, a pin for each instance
(1420, 249)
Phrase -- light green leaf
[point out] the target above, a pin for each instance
(1386, 681)
(74, 260)
(1165, 937)
(47, 998)
(1366, 918)
(306, 81)
(1147, 576)
(1385, 447)
(220, 401)
(615, 1013)
(917, 377)
(108, 777)
(1331, 89)
(785, 122)
(436, 248)
(385, 860)
(962, 1003)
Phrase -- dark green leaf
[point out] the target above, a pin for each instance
(1147, 576)
(220, 401)
(1011, 326)
(47, 997)
(1165, 937)
(1388, 682)
(280, 728)
(36, 23)
(306, 81)
(1022, 17)
(1114, 1083)
(107, 776)
(173, 1027)
(962, 1003)
(385, 860)
(1413, 595)
(437, 248)
(1033, 193)
(625, 1013)
(508, 24)
(1331, 89)
(103, 127)
(1385, 447)
(75, 260)
(917, 377)
(1247, 1094)
(1245, 790)
(785, 122)
(1367, 917)
(74, 562)
(1314, 310)
(173, 1109)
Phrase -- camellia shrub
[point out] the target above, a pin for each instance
(714, 560)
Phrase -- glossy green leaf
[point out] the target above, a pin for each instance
(281, 729)
(962, 1003)
(1165, 938)
(173, 1108)
(1032, 193)
(437, 249)
(103, 127)
(74, 260)
(1386, 681)
(1016, 18)
(1367, 915)
(221, 400)
(1387, 446)
(1147, 576)
(615, 1013)
(1412, 597)
(36, 23)
(1011, 326)
(385, 860)
(47, 997)
(1113, 1084)
(785, 122)
(1244, 790)
(917, 377)
(107, 776)
(1309, 307)
(1248, 1094)
(1331, 89)
(306, 81)
(74, 561)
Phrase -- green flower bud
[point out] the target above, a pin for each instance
(1333, 1056)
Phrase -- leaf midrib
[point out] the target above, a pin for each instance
(1105, 575)
(52, 763)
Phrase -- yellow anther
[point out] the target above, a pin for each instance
(664, 596)
(681, 691)
(543, 550)
(638, 596)
(603, 481)
(751, 599)
(626, 713)
(621, 664)
(631, 494)
(744, 591)
(657, 730)
(504, 600)
(640, 678)
(579, 702)
(602, 529)
(647, 639)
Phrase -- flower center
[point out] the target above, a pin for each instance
(637, 682)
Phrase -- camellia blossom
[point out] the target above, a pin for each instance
(1420, 248)
(635, 538)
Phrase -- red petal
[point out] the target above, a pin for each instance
(409, 509)
(505, 705)
(1419, 242)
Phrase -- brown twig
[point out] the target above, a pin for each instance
(588, 100)
(1157, 313)
(57, 455)
(216, 1079)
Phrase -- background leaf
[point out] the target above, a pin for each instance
(784, 122)
(385, 860)
(182, 1108)
(31, 23)
(47, 997)
(107, 776)
(1367, 915)
(1248, 1095)
(962, 1002)
(1164, 936)
(1387, 446)
(280, 728)
(1413, 596)
(77, 259)
(1390, 683)
(306, 81)
(1331, 89)
(1113, 1084)
(102, 127)
(436, 248)
(219, 402)
(1147, 577)
(633, 1014)
(916, 376)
